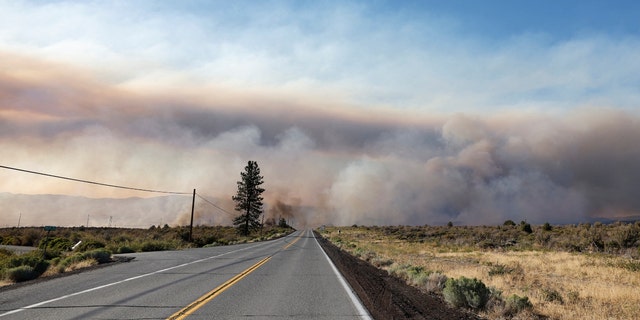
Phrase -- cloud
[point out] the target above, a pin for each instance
(352, 119)
(326, 165)
(352, 53)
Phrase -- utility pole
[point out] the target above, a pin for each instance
(193, 205)
(88, 221)
(19, 218)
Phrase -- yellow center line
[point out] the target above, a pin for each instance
(292, 242)
(192, 307)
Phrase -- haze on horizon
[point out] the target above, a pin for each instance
(367, 113)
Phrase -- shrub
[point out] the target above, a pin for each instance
(465, 292)
(125, 249)
(10, 240)
(526, 227)
(90, 245)
(435, 282)
(381, 262)
(32, 259)
(547, 227)
(499, 269)
(417, 276)
(21, 273)
(5, 253)
(30, 238)
(626, 236)
(100, 255)
(630, 265)
(515, 304)
(157, 246)
(509, 223)
(552, 295)
(23, 267)
(57, 244)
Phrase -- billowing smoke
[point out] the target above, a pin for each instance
(292, 212)
(321, 165)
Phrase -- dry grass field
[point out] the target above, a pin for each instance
(567, 272)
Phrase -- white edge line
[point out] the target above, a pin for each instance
(122, 281)
(362, 311)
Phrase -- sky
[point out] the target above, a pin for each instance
(357, 112)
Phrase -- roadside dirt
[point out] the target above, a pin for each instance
(387, 297)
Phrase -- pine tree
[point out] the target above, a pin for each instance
(248, 199)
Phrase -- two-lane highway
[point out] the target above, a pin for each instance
(285, 278)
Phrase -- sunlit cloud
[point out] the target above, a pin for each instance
(349, 51)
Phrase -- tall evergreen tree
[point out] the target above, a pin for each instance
(248, 199)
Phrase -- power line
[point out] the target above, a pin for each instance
(92, 182)
(213, 204)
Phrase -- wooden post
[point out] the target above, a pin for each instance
(193, 205)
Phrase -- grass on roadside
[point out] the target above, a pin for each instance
(96, 245)
(557, 284)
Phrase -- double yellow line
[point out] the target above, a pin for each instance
(192, 307)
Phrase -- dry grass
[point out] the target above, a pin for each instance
(81, 264)
(561, 285)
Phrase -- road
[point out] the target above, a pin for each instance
(18, 249)
(286, 278)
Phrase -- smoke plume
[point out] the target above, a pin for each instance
(322, 163)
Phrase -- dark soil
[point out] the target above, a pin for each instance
(385, 296)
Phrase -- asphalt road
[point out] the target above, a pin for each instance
(285, 278)
(18, 249)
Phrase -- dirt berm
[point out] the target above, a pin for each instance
(385, 296)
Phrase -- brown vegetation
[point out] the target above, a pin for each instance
(96, 245)
(587, 271)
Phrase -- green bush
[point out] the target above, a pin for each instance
(515, 304)
(4, 253)
(56, 244)
(509, 223)
(21, 273)
(24, 267)
(100, 255)
(465, 292)
(32, 259)
(526, 227)
(90, 245)
(125, 249)
(11, 241)
(156, 246)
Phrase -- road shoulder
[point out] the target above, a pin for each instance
(387, 297)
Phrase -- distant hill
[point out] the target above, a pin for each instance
(625, 219)
(135, 212)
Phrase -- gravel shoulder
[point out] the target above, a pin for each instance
(385, 296)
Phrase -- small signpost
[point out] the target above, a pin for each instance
(46, 238)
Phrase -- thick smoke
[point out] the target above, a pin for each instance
(321, 165)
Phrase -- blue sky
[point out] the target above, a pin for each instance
(557, 20)
(435, 56)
